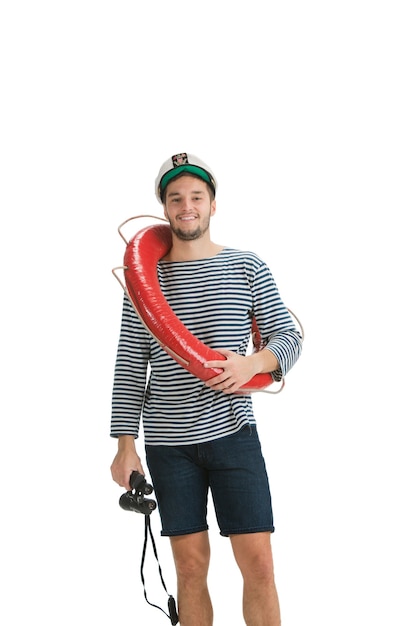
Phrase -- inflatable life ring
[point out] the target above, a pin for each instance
(142, 287)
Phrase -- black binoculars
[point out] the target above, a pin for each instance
(134, 500)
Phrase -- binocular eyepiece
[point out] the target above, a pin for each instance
(134, 500)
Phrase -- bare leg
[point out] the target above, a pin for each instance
(192, 557)
(253, 554)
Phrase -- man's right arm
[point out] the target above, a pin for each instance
(128, 391)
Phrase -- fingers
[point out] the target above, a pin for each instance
(222, 382)
(122, 478)
(224, 379)
(236, 370)
(122, 468)
(219, 363)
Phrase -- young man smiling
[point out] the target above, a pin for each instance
(202, 436)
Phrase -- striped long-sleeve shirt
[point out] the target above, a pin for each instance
(215, 298)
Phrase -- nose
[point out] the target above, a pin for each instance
(187, 204)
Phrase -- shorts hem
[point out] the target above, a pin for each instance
(247, 531)
(186, 531)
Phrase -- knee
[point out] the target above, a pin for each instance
(191, 557)
(254, 558)
(192, 567)
(258, 569)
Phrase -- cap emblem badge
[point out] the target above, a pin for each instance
(180, 159)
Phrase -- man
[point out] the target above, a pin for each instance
(202, 435)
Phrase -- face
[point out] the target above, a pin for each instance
(188, 207)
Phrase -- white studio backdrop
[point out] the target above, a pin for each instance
(306, 113)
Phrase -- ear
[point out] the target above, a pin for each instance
(213, 208)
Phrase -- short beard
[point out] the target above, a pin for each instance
(190, 235)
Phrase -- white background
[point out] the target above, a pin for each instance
(306, 111)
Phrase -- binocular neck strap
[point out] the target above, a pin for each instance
(171, 602)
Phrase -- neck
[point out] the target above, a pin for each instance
(191, 250)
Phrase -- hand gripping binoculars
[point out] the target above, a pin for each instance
(135, 500)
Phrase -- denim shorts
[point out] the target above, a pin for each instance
(232, 467)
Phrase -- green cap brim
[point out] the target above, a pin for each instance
(181, 169)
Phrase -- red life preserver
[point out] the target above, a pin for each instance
(142, 254)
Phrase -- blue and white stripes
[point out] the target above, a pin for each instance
(215, 298)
